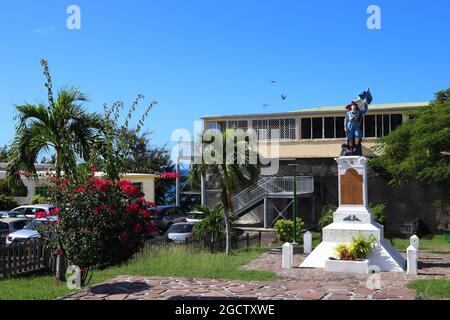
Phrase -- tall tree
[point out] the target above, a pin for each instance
(4, 154)
(145, 158)
(419, 149)
(116, 146)
(231, 171)
(62, 125)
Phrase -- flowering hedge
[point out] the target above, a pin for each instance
(101, 222)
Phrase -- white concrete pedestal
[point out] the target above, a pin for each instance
(351, 220)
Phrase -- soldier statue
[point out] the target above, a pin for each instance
(352, 124)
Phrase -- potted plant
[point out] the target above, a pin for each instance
(352, 257)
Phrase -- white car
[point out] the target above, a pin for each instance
(31, 209)
(29, 232)
(195, 216)
(181, 232)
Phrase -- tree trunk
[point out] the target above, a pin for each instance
(227, 210)
(60, 268)
(58, 163)
(227, 234)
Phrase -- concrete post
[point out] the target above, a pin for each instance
(414, 241)
(411, 257)
(287, 256)
(307, 242)
(265, 211)
(177, 183)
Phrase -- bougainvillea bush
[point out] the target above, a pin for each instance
(101, 222)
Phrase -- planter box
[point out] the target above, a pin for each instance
(347, 266)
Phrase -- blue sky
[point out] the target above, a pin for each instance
(200, 57)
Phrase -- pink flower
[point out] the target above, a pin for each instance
(169, 175)
(132, 207)
(55, 211)
(101, 184)
(40, 215)
(145, 213)
(99, 208)
(128, 187)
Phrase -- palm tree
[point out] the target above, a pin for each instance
(230, 175)
(63, 126)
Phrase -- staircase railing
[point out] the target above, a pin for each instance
(272, 185)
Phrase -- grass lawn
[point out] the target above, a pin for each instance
(431, 289)
(435, 243)
(177, 261)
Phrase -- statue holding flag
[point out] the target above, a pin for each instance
(352, 124)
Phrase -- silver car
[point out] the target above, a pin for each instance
(11, 225)
(29, 232)
(181, 232)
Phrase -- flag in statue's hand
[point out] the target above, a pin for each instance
(366, 95)
(363, 101)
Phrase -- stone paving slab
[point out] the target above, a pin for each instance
(292, 284)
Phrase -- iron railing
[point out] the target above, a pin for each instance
(272, 185)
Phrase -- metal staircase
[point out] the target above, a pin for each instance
(273, 187)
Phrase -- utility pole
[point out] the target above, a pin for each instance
(294, 204)
(177, 182)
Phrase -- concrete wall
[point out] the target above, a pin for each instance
(148, 184)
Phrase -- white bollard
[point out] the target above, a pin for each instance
(307, 242)
(287, 256)
(414, 241)
(411, 258)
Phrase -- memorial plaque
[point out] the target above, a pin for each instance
(352, 188)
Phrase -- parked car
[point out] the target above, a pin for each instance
(31, 210)
(195, 216)
(10, 214)
(181, 231)
(164, 216)
(29, 232)
(11, 225)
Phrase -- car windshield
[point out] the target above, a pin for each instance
(4, 215)
(180, 228)
(32, 225)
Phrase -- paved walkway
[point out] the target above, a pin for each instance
(296, 283)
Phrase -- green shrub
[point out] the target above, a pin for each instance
(378, 212)
(284, 229)
(211, 228)
(38, 199)
(7, 203)
(327, 215)
(210, 231)
(362, 246)
(357, 250)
